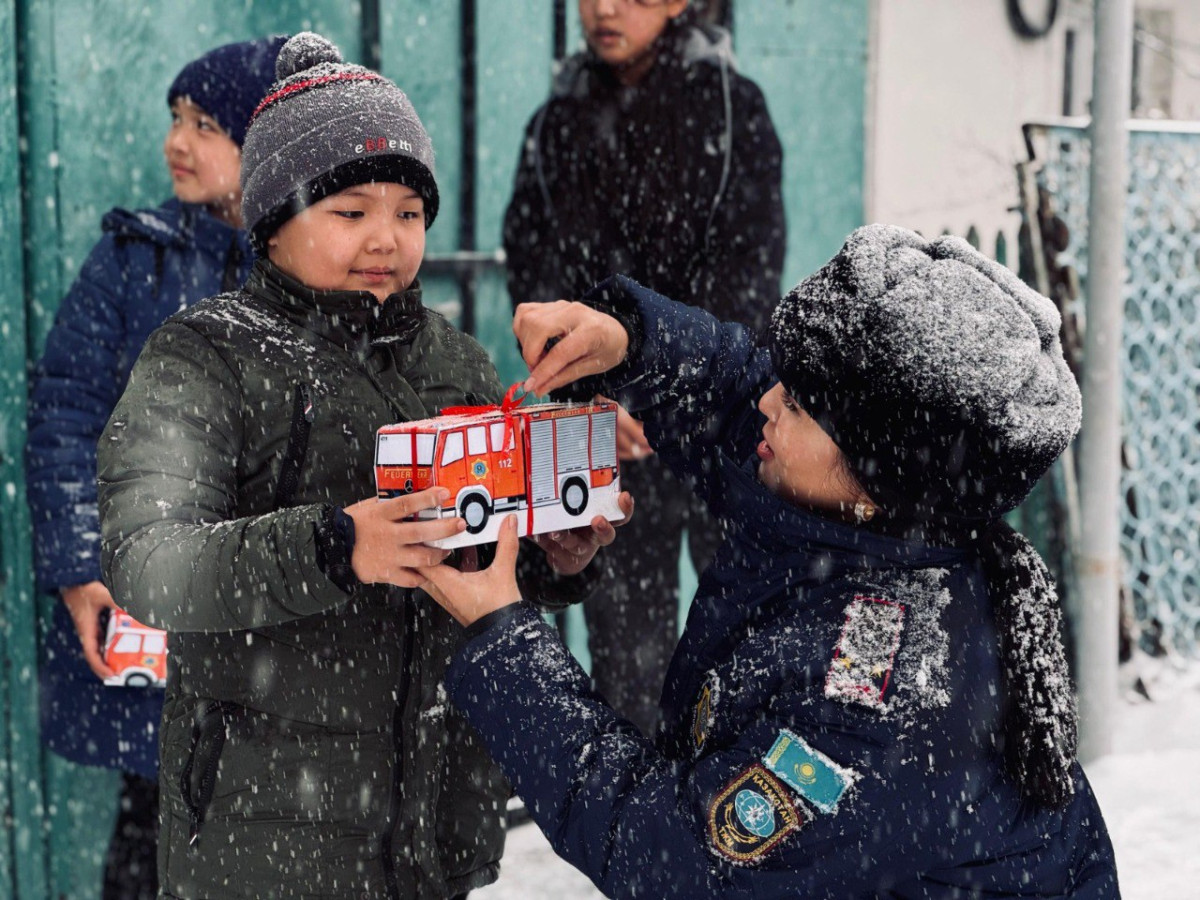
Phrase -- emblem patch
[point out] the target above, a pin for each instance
(751, 815)
(809, 772)
(862, 661)
(702, 715)
(479, 469)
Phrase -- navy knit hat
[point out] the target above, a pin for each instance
(936, 371)
(228, 82)
(325, 126)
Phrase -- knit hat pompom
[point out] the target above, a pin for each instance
(304, 51)
(935, 370)
(324, 126)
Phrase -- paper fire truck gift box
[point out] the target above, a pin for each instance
(553, 464)
(136, 653)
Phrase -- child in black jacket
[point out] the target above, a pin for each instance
(655, 158)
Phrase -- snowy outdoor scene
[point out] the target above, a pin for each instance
(758, 440)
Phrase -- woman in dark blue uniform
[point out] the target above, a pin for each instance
(871, 697)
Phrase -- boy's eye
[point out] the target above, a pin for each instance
(206, 125)
(408, 215)
(790, 404)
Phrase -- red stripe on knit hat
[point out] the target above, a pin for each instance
(313, 82)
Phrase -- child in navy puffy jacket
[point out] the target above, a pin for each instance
(148, 264)
(870, 698)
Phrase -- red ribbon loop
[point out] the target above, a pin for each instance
(507, 405)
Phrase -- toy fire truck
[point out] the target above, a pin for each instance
(554, 464)
(136, 653)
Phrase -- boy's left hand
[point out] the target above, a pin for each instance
(569, 552)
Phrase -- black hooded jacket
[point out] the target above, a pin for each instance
(674, 182)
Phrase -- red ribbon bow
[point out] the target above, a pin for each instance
(507, 405)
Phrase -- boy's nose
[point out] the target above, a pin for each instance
(383, 239)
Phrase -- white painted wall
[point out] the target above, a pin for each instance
(951, 84)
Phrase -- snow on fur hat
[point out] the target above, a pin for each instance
(228, 81)
(327, 125)
(936, 371)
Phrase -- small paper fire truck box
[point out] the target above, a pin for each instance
(136, 653)
(553, 464)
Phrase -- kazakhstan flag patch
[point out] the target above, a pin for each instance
(807, 771)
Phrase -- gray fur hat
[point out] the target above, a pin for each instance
(324, 126)
(936, 371)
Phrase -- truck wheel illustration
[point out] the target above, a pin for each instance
(137, 679)
(574, 496)
(475, 511)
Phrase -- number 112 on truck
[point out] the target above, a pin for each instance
(552, 464)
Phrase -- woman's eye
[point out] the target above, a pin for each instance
(789, 403)
(348, 213)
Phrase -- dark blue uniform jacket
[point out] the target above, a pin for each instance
(147, 266)
(833, 709)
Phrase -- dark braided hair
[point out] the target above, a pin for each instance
(1041, 721)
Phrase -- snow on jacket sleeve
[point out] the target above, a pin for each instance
(737, 275)
(75, 386)
(721, 824)
(174, 553)
(694, 381)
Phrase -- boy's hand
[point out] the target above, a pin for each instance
(85, 602)
(563, 342)
(389, 548)
(569, 552)
(470, 595)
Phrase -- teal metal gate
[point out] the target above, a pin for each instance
(1161, 364)
(82, 116)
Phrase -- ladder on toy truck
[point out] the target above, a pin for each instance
(554, 464)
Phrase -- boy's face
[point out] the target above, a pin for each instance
(204, 162)
(623, 32)
(799, 461)
(369, 237)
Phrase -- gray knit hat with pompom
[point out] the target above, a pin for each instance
(936, 371)
(324, 126)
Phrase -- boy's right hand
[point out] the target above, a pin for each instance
(85, 602)
(389, 546)
(564, 341)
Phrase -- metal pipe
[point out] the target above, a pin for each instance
(1100, 446)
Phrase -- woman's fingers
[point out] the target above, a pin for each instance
(562, 342)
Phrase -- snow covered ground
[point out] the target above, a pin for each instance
(1149, 789)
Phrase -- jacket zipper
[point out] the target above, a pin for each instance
(402, 689)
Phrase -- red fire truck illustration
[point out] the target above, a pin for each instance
(554, 464)
(136, 653)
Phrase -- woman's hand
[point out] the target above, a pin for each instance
(563, 342)
(569, 552)
(389, 547)
(469, 595)
(85, 602)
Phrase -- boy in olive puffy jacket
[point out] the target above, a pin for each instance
(307, 746)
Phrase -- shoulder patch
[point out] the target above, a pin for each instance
(751, 816)
(862, 661)
(703, 714)
(808, 771)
